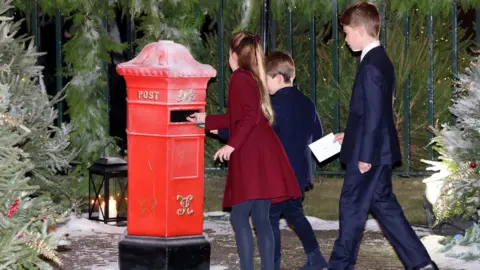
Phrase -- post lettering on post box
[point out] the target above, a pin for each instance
(148, 95)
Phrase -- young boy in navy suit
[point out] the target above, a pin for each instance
(297, 125)
(370, 148)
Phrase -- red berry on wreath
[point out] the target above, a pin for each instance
(473, 165)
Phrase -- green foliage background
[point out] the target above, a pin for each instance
(33, 154)
(416, 64)
(181, 21)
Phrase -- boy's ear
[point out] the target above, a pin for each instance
(360, 30)
(363, 32)
(279, 78)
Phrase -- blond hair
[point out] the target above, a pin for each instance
(250, 58)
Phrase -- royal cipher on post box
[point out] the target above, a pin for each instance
(165, 84)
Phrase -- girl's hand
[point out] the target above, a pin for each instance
(224, 153)
(197, 118)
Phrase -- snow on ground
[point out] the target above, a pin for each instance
(220, 227)
(223, 226)
(216, 214)
(83, 226)
(218, 267)
(441, 258)
(218, 222)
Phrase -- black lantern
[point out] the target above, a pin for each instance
(113, 173)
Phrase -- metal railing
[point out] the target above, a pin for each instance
(268, 31)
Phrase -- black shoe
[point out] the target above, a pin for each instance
(430, 266)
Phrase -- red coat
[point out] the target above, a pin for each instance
(259, 167)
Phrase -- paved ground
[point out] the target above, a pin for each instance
(99, 251)
(375, 253)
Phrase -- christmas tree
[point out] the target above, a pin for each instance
(454, 190)
(32, 151)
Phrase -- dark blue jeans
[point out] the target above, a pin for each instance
(259, 211)
(292, 211)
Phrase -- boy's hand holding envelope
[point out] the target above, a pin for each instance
(329, 146)
(339, 138)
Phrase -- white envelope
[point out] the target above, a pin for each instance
(324, 148)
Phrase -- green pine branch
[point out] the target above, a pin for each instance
(32, 152)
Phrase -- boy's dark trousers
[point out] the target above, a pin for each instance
(292, 211)
(372, 191)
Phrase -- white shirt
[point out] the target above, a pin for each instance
(370, 46)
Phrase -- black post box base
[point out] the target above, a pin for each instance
(158, 253)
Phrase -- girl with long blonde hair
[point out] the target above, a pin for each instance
(259, 172)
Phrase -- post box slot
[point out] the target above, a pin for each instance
(180, 116)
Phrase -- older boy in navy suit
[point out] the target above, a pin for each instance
(369, 149)
(297, 124)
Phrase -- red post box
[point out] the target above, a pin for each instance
(165, 84)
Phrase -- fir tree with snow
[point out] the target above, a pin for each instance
(33, 154)
(454, 189)
(470, 239)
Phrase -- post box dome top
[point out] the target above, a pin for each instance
(168, 59)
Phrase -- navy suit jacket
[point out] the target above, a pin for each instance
(297, 124)
(370, 134)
